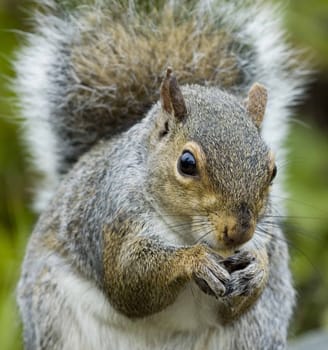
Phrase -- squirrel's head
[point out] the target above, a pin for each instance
(208, 164)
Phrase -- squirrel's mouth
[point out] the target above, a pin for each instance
(230, 232)
(237, 235)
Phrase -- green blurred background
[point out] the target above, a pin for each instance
(306, 226)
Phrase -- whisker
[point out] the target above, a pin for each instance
(296, 229)
(300, 202)
(292, 246)
(295, 217)
(204, 235)
(177, 226)
(261, 230)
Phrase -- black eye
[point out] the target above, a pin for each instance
(274, 173)
(187, 164)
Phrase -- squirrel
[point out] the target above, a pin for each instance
(157, 227)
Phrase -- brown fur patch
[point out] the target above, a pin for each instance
(143, 276)
(119, 61)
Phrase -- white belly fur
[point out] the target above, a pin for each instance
(92, 323)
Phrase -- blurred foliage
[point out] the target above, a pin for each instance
(307, 21)
(15, 218)
(306, 225)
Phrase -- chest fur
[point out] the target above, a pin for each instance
(92, 323)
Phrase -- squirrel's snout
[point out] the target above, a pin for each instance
(234, 230)
(238, 234)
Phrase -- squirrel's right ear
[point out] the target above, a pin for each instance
(255, 103)
(171, 96)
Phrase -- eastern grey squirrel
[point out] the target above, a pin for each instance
(157, 228)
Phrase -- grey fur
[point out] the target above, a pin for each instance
(91, 201)
(67, 97)
(124, 223)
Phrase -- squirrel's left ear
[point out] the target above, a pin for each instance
(171, 96)
(255, 103)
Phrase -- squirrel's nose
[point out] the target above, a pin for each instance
(241, 230)
(237, 234)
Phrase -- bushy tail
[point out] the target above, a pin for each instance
(92, 70)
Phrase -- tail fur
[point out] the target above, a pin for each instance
(92, 70)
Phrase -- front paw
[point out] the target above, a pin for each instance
(248, 274)
(210, 274)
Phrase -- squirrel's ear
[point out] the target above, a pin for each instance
(171, 96)
(256, 102)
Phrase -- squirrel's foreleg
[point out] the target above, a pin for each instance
(143, 275)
